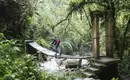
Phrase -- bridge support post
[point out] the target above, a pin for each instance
(95, 34)
(109, 33)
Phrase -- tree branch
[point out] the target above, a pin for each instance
(87, 18)
(79, 6)
(69, 20)
(53, 27)
(76, 30)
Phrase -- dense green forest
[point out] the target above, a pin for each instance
(70, 20)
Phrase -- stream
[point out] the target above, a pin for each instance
(55, 65)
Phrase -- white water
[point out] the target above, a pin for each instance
(53, 65)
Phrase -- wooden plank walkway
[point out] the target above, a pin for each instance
(52, 53)
(41, 49)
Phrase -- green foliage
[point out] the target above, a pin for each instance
(61, 75)
(74, 29)
(76, 5)
(43, 43)
(2, 37)
(115, 78)
(17, 17)
(15, 64)
(124, 66)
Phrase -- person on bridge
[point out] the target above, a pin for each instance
(56, 43)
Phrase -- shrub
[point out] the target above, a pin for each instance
(15, 65)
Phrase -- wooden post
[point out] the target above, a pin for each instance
(109, 33)
(95, 34)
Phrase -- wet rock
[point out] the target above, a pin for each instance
(72, 63)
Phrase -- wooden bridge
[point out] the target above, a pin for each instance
(41, 49)
(33, 47)
(111, 64)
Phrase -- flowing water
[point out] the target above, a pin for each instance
(55, 64)
(52, 65)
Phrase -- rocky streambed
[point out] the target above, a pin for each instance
(62, 64)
